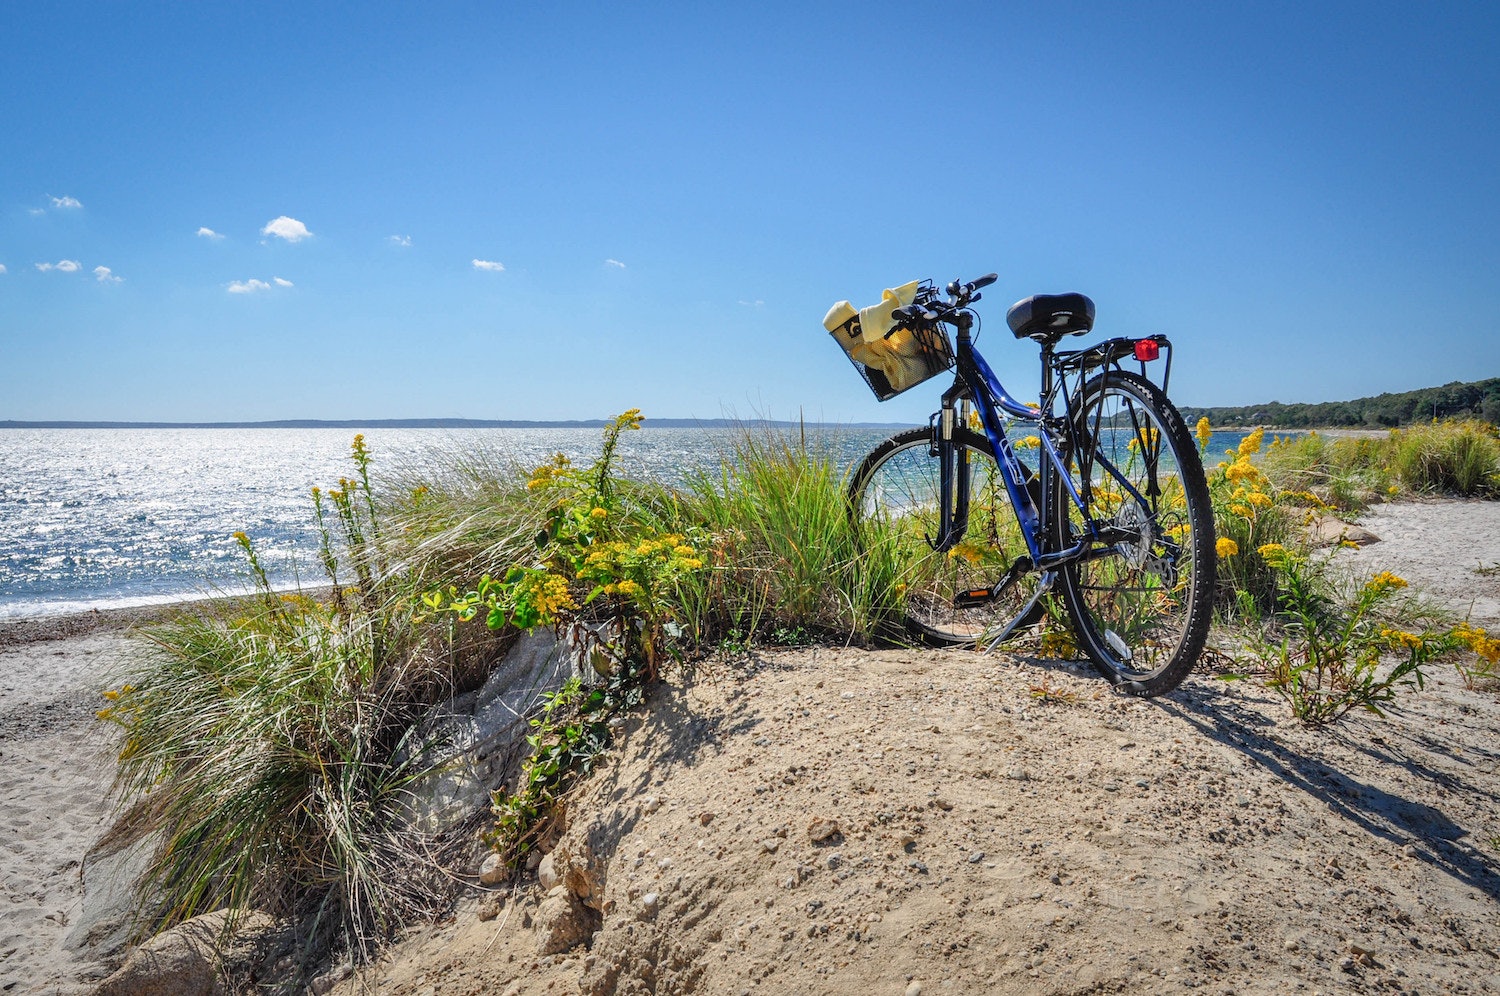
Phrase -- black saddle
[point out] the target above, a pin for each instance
(1048, 317)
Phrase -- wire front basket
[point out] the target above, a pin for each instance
(902, 359)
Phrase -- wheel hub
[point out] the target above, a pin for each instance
(1132, 519)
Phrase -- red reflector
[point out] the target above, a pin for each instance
(1146, 350)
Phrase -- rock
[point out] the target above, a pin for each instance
(476, 741)
(562, 923)
(185, 960)
(324, 983)
(770, 845)
(1326, 530)
(976, 857)
(579, 872)
(705, 818)
(493, 870)
(822, 830)
(107, 920)
(650, 804)
(546, 874)
(914, 988)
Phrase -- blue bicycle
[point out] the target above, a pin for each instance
(1101, 500)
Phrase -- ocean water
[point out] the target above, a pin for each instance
(99, 518)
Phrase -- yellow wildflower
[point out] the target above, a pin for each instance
(1028, 443)
(600, 513)
(1250, 445)
(1402, 640)
(1258, 498)
(1384, 581)
(1226, 547)
(1243, 511)
(967, 552)
(1204, 432)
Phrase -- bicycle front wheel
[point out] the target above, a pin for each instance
(1141, 604)
(894, 499)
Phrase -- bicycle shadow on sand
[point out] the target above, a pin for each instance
(1383, 814)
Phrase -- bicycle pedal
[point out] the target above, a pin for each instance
(969, 599)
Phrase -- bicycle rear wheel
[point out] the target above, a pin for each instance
(894, 499)
(1140, 607)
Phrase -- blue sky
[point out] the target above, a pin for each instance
(562, 211)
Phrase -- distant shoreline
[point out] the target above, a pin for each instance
(449, 423)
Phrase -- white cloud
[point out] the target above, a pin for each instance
(66, 202)
(36, 211)
(286, 228)
(248, 286)
(62, 266)
(105, 276)
(615, 263)
(209, 233)
(399, 240)
(752, 304)
(486, 264)
(280, 282)
(2, 267)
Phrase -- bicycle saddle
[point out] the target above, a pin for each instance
(1048, 317)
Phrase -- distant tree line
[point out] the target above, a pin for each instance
(1480, 399)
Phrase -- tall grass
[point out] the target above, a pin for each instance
(268, 744)
(785, 552)
(1461, 458)
(1456, 457)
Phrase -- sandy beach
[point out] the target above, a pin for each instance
(1002, 826)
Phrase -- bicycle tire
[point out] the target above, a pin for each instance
(895, 491)
(1142, 613)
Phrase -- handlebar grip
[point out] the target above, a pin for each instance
(984, 281)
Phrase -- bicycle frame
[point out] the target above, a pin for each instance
(976, 382)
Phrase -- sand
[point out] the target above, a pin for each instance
(1003, 826)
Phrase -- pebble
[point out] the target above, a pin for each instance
(770, 845)
(914, 989)
(493, 871)
(976, 857)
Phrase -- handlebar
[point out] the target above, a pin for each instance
(929, 308)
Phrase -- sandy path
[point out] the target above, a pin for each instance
(1449, 549)
(56, 762)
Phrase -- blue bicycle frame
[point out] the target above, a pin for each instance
(977, 382)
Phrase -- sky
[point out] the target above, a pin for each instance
(551, 211)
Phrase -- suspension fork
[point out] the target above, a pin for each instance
(955, 475)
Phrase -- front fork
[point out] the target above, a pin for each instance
(955, 476)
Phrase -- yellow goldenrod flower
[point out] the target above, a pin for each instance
(1250, 445)
(600, 513)
(1257, 498)
(1243, 511)
(1226, 547)
(1402, 640)
(1384, 581)
(1029, 443)
(1204, 432)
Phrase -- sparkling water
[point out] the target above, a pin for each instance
(95, 518)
